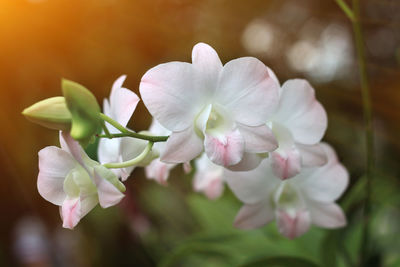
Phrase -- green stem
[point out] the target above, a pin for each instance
(369, 131)
(354, 16)
(346, 9)
(103, 125)
(132, 162)
(127, 133)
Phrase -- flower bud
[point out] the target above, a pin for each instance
(84, 109)
(51, 113)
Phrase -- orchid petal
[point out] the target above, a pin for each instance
(286, 163)
(108, 194)
(300, 112)
(88, 203)
(327, 215)
(208, 178)
(312, 155)
(249, 162)
(123, 102)
(258, 139)
(182, 147)
(168, 93)
(254, 216)
(207, 65)
(224, 150)
(71, 212)
(159, 171)
(293, 226)
(54, 166)
(247, 91)
(253, 186)
(326, 183)
(71, 146)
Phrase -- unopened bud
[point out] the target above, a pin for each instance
(51, 113)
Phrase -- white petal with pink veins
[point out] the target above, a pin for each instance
(286, 163)
(293, 225)
(71, 212)
(224, 150)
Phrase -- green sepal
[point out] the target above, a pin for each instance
(84, 109)
(51, 113)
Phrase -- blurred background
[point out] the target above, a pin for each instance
(95, 41)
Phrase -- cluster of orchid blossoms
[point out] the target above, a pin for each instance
(233, 123)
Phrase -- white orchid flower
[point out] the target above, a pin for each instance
(120, 107)
(208, 178)
(299, 124)
(70, 179)
(222, 110)
(308, 198)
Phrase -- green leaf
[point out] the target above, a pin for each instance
(280, 262)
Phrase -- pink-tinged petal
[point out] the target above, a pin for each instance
(312, 155)
(71, 212)
(54, 166)
(300, 112)
(214, 189)
(71, 146)
(249, 162)
(159, 171)
(293, 225)
(187, 168)
(224, 150)
(253, 186)
(108, 194)
(273, 76)
(182, 147)
(286, 163)
(254, 216)
(326, 183)
(123, 102)
(172, 94)
(207, 65)
(327, 215)
(208, 178)
(247, 91)
(258, 139)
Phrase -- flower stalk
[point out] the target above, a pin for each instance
(126, 133)
(131, 162)
(354, 16)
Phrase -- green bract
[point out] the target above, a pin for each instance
(51, 113)
(84, 109)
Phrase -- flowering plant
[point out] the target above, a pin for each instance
(236, 123)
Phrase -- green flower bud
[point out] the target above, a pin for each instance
(51, 113)
(84, 109)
